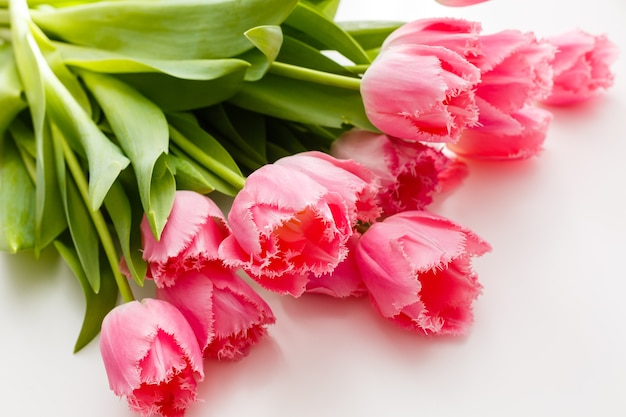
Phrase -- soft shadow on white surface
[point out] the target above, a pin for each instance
(549, 333)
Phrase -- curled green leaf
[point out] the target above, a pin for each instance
(296, 52)
(268, 41)
(312, 26)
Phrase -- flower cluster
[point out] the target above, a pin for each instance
(352, 221)
(110, 145)
(342, 233)
(308, 223)
(442, 80)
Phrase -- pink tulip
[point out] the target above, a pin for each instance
(515, 71)
(459, 3)
(227, 316)
(195, 228)
(581, 66)
(285, 226)
(356, 184)
(151, 357)
(409, 172)
(417, 269)
(420, 93)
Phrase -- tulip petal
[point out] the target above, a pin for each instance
(581, 66)
(280, 237)
(129, 332)
(416, 267)
(420, 93)
(227, 316)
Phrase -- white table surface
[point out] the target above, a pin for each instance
(549, 332)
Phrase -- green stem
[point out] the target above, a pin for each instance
(314, 76)
(357, 69)
(205, 160)
(30, 164)
(99, 223)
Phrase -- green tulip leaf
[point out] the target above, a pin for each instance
(48, 208)
(48, 97)
(296, 52)
(84, 235)
(11, 100)
(166, 29)
(17, 200)
(81, 227)
(189, 174)
(176, 94)
(370, 34)
(142, 131)
(304, 102)
(69, 81)
(243, 132)
(198, 144)
(163, 190)
(309, 25)
(268, 41)
(97, 306)
(128, 233)
(50, 220)
(99, 60)
(326, 7)
(104, 158)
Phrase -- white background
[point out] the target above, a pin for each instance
(548, 338)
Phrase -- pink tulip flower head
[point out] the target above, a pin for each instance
(581, 66)
(417, 269)
(409, 172)
(191, 237)
(227, 316)
(151, 357)
(286, 225)
(459, 3)
(516, 72)
(420, 93)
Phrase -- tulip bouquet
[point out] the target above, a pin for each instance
(118, 119)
